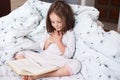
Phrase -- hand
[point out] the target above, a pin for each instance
(28, 78)
(25, 78)
(49, 40)
(57, 36)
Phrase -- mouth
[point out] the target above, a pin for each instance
(58, 29)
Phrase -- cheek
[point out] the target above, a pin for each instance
(52, 24)
(60, 25)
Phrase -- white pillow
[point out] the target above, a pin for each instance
(91, 11)
(39, 31)
(24, 19)
(41, 6)
(107, 43)
(84, 24)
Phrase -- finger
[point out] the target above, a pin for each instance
(51, 34)
(25, 78)
(30, 78)
(59, 33)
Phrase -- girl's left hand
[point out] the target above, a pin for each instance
(57, 36)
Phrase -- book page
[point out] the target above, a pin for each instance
(30, 67)
(20, 66)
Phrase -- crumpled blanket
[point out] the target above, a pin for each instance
(97, 50)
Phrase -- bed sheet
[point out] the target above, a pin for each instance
(97, 50)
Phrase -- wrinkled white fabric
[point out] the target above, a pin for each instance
(97, 50)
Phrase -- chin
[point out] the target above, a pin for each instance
(58, 30)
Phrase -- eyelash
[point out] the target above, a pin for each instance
(54, 22)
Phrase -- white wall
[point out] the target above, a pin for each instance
(16, 3)
(88, 2)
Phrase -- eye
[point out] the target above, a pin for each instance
(59, 22)
(52, 22)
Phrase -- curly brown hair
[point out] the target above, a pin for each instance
(63, 10)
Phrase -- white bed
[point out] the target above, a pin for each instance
(98, 51)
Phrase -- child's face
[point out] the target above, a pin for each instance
(56, 21)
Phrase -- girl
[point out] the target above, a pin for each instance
(58, 44)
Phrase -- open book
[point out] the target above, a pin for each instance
(30, 67)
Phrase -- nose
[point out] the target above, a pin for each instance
(56, 24)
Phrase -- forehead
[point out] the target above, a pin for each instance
(54, 17)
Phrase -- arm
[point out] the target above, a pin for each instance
(57, 38)
(66, 45)
(70, 44)
(46, 41)
(61, 46)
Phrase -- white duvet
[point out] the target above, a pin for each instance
(98, 51)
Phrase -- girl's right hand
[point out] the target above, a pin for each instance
(48, 42)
